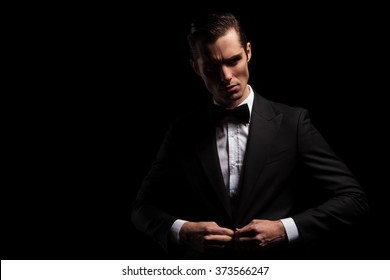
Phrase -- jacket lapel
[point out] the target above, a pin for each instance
(208, 155)
(263, 129)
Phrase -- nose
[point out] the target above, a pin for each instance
(226, 74)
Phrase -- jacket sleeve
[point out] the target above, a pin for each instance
(151, 206)
(346, 202)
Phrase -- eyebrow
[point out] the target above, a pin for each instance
(230, 59)
(235, 57)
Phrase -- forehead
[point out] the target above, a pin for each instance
(224, 47)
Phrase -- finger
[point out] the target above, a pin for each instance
(221, 231)
(217, 239)
(246, 231)
(247, 240)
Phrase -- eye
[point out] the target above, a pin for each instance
(233, 61)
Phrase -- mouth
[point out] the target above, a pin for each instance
(231, 88)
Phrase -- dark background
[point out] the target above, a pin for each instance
(94, 88)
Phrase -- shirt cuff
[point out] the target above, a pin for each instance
(175, 229)
(291, 229)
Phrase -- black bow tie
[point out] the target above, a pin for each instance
(240, 113)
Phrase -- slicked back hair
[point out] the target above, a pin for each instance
(207, 28)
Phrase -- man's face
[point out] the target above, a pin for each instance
(223, 66)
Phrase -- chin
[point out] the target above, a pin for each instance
(236, 96)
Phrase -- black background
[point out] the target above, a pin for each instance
(95, 86)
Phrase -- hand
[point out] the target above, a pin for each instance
(205, 236)
(259, 235)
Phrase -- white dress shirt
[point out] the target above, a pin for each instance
(231, 143)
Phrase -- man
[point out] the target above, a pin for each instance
(230, 178)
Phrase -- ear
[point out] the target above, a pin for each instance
(248, 50)
(195, 66)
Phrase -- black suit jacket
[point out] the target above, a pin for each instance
(289, 171)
